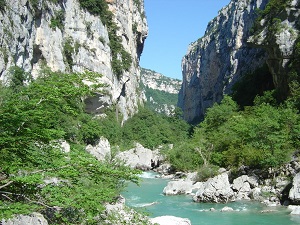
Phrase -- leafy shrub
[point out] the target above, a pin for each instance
(68, 51)
(152, 129)
(2, 5)
(184, 157)
(58, 20)
(206, 171)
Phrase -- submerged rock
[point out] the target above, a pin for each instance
(227, 209)
(170, 220)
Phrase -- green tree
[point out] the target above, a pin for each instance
(32, 121)
(261, 136)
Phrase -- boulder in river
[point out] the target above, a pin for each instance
(216, 189)
(243, 185)
(178, 187)
(140, 157)
(295, 209)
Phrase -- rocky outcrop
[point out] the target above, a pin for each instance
(68, 38)
(168, 220)
(278, 35)
(119, 214)
(34, 218)
(243, 185)
(216, 190)
(101, 150)
(294, 193)
(228, 51)
(140, 157)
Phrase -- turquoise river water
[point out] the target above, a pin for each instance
(148, 197)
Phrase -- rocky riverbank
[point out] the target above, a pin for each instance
(272, 188)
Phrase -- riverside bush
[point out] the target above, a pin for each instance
(206, 171)
(261, 136)
(152, 129)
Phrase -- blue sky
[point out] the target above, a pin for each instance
(173, 25)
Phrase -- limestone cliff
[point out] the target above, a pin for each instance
(227, 51)
(158, 81)
(161, 92)
(67, 37)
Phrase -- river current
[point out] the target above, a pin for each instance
(148, 197)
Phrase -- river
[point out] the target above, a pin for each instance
(148, 197)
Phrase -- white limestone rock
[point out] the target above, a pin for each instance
(170, 220)
(216, 61)
(178, 187)
(139, 157)
(242, 186)
(101, 150)
(294, 193)
(226, 209)
(215, 189)
(295, 209)
(29, 41)
(34, 219)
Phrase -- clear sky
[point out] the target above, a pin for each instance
(173, 25)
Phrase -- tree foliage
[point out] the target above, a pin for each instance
(261, 136)
(36, 174)
(152, 129)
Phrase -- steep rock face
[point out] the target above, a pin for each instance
(158, 81)
(278, 36)
(161, 92)
(215, 61)
(30, 39)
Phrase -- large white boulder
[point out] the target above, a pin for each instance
(243, 186)
(101, 150)
(216, 189)
(139, 157)
(177, 187)
(170, 220)
(294, 193)
(295, 209)
(34, 219)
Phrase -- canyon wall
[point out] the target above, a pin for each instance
(230, 49)
(66, 37)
